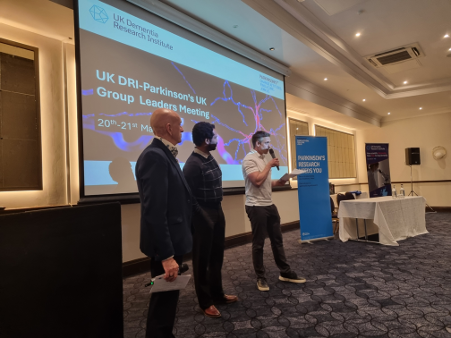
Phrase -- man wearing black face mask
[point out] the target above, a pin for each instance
(204, 178)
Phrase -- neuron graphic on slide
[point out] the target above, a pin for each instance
(257, 113)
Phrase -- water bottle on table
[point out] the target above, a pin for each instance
(393, 192)
(402, 192)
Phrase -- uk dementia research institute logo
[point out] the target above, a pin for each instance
(98, 14)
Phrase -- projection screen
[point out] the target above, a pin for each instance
(131, 62)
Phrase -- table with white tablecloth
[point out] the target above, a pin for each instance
(393, 219)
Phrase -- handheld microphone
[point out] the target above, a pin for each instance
(271, 152)
(182, 268)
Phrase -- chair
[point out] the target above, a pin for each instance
(343, 197)
(340, 197)
(334, 216)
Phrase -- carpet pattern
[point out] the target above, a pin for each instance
(352, 290)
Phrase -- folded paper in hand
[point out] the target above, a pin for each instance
(160, 285)
(294, 173)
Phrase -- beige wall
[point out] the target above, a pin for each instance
(424, 132)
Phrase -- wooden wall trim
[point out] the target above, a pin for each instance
(432, 181)
(439, 209)
(8, 211)
(398, 182)
(142, 265)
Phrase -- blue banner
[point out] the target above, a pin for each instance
(313, 188)
(378, 169)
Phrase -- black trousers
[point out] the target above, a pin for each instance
(208, 256)
(265, 221)
(162, 306)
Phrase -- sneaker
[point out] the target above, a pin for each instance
(291, 277)
(262, 285)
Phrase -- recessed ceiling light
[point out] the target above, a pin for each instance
(446, 36)
(272, 48)
(421, 108)
(405, 82)
(358, 34)
(325, 79)
(364, 100)
(449, 49)
(297, 128)
(388, 113)
(235, 26)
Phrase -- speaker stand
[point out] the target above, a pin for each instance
(413, 193)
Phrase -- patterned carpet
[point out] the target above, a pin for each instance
(352, 290)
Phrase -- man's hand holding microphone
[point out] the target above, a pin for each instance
(275, 163)
(275, 160)
(171, 269)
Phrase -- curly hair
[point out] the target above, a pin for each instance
(202, 131)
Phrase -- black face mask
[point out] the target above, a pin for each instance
(212, 147)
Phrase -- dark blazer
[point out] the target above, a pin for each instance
(166, 206)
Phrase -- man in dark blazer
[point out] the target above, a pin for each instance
(166, 210)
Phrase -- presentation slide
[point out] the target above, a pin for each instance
(133, 62)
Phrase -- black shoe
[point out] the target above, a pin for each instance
(291, 277)
(262, 285)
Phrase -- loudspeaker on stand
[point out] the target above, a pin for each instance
(413, 156)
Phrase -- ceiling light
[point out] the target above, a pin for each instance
(364, 100)
(405, 82)
(449, 49)
(297, 128)
(358, 34)
(272, 48)
(421, 108)
(325, 79)
(388, 113)
(446, 36)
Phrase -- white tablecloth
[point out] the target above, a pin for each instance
(393, 219)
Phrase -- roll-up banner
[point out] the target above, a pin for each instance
(378, 169)
(313, 188)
